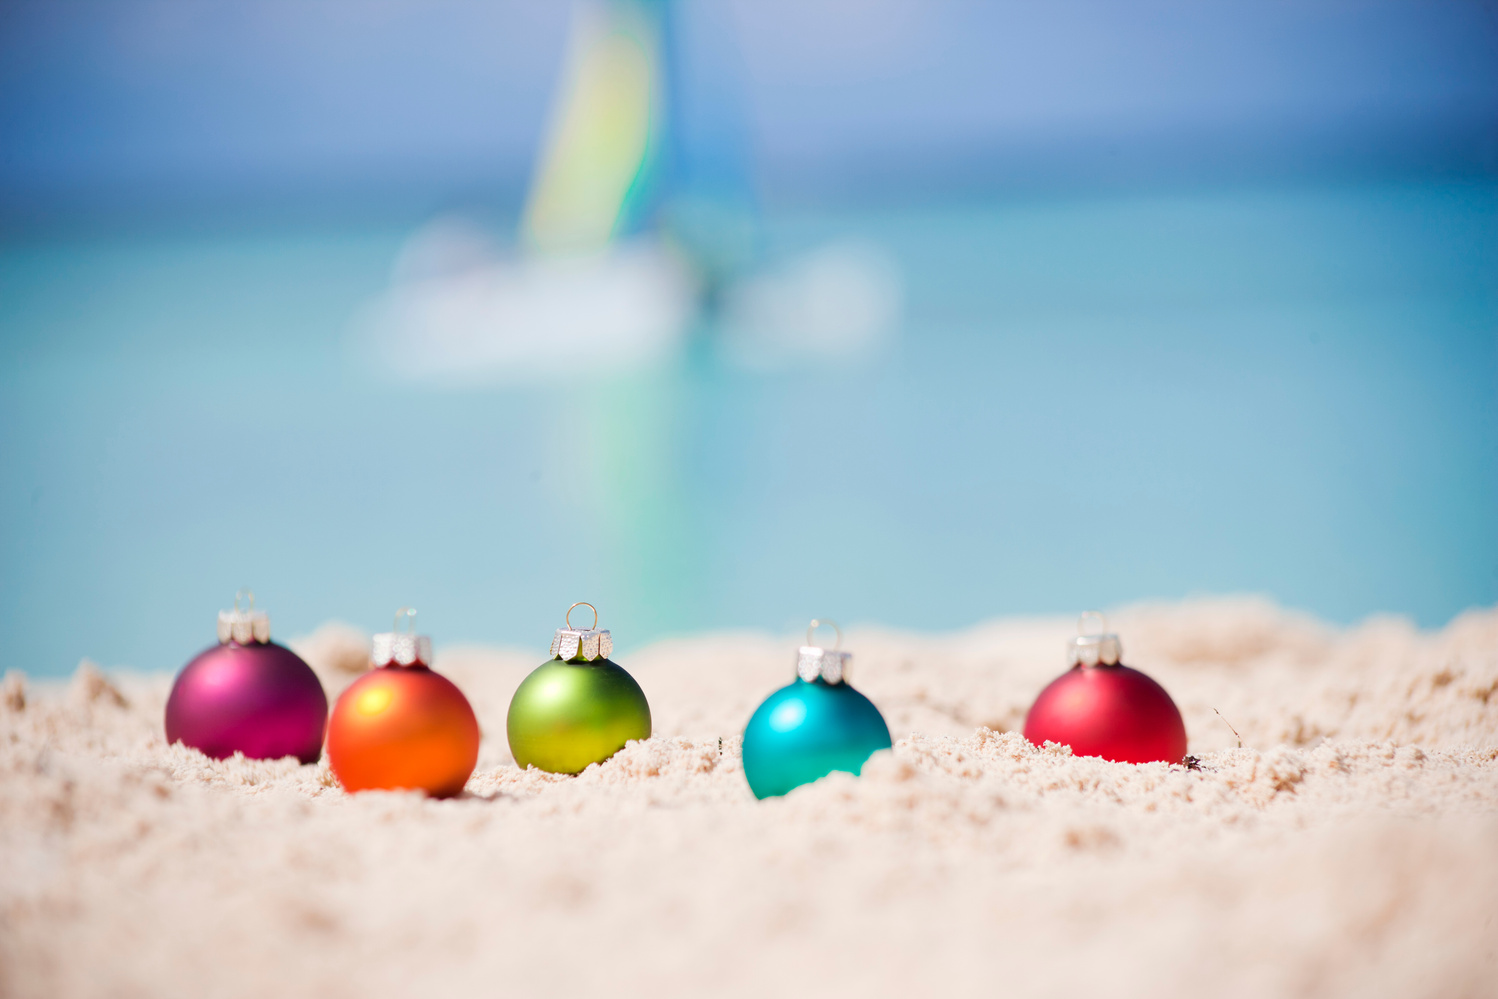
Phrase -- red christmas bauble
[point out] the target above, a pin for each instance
(1114, 712)
(1101, 707)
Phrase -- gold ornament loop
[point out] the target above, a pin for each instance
(587, 644)
(583, 603)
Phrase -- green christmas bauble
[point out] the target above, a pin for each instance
(579, 708)
(568, 714)
(808, 729)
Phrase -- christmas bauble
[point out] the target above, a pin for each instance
(1101, 707)
(402, 726)
(816, 725)
(579, 708)
(248, 695)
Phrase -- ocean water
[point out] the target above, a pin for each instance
(1090, 401)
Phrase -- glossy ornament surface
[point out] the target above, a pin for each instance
(579, 708)
(248, 695)
(403, 726)
(1101, 707)
(813, 726)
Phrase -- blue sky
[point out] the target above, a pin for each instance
(159, 103)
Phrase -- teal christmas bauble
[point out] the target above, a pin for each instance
(816, 725)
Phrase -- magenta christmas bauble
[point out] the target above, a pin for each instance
(248, 695)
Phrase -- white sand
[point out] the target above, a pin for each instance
(1350, 848)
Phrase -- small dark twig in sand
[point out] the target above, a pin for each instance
(1192, 763)
(1230, 727)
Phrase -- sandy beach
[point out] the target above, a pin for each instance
(1349, 847)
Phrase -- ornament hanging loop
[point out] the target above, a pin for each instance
(1095, 645)
(816, 663)
(586, 644)
(401, 648)
(816, 623)
(582, 603)
(243, 626)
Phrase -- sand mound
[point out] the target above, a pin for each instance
(1350, 847)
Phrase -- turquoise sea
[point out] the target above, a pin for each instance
(1092, 400)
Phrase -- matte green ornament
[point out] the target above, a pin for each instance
(816, 725)
(579, 708)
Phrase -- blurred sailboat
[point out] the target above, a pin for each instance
(600, 165)
(587, 289)
(633, 232)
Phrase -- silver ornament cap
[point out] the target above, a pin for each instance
(401, 648)
(243, 627)
(814, 662)
(587, 644)
(1095, 644)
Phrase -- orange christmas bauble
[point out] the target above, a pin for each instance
(403, 726)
